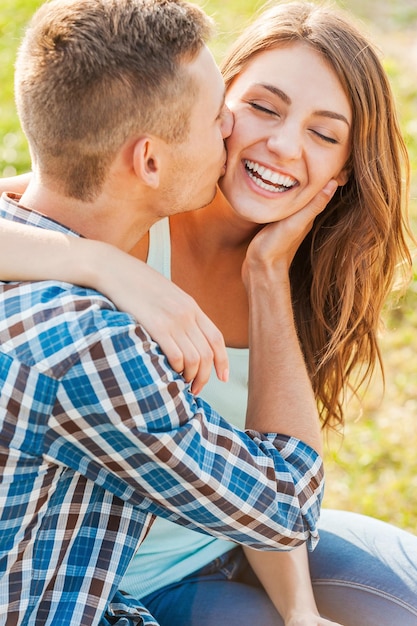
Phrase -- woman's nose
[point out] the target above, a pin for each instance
(286, 141)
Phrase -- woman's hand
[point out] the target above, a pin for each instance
(309, 619)
(275, 245)
(188, 338)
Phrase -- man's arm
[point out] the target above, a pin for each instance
(126, 421)
(133, 425)
(259, 490)
(150, 442)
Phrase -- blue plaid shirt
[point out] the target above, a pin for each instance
(98, 435)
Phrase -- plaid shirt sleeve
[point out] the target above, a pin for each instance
(97, 435)
(125, 421)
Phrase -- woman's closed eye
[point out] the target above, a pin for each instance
(263, 109)
(325, 138)
(272, 112)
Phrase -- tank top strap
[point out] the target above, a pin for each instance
(159, 254)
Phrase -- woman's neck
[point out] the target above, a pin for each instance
(216, 227)
(208, 248)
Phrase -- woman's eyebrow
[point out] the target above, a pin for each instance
(285, 98)
(276, 91)
(333, 115)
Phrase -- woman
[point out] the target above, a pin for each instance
(311, 102)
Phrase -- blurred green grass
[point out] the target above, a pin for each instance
(373, 468)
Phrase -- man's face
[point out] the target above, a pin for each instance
(199, 161)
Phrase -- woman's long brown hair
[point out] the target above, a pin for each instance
(345, 269)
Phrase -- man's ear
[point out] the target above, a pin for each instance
(146, 161)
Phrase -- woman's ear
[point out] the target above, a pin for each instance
(343, 176)
(146, 161)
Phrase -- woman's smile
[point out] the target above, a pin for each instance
(267, 179)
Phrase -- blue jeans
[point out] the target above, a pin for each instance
(364, 573)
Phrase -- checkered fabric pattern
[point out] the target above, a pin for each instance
(98, 435)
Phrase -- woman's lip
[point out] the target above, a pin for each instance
(270, 174)
(267, 180)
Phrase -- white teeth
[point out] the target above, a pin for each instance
(267, 179)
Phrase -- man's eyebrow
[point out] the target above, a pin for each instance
(285, 98)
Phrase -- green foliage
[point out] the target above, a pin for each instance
(373, 469)
(14, 155)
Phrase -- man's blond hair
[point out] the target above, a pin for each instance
(91, 73)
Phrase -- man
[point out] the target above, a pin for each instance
(123, 108)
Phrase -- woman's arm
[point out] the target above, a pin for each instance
(17, 184)
(191, 342)
(285, 577)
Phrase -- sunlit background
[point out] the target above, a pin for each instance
(373, 468)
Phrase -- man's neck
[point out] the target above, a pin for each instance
(108, 218)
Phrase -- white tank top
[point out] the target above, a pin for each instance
(170, 551)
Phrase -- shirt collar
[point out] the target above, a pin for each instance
(11, 209)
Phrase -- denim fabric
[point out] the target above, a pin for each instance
(364, 573)
(225, 592)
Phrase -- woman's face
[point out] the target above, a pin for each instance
(291, 133)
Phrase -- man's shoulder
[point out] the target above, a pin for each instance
(50, 324)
